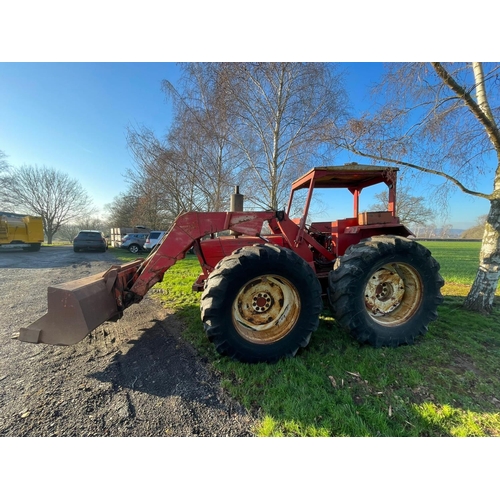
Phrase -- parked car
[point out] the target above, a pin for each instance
(134, 242)
(153, 239)
(90, 240)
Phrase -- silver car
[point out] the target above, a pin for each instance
(134, 242)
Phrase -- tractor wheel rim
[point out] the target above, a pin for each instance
(266, 309)
(393, 294)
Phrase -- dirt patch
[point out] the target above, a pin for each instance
(135, 377)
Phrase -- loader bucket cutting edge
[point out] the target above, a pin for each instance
(74, 309)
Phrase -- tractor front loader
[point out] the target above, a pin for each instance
(262, 289)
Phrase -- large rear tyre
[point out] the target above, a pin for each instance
(385, 290)
(261, 304)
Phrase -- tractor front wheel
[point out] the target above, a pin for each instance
(261, 304)
(385, 290)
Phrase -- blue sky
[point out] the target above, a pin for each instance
(73, 117)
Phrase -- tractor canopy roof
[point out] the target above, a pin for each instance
(351, 176)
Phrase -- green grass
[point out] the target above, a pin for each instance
(447, 384)
(57, 244)
(459, 260)
(124, 255)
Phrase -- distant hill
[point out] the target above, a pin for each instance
(475, 232)
(456, 232)
(452, 233)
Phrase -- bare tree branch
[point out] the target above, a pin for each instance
(442, 119)
(424, 170)
(48, 193)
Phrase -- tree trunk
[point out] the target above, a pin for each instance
(482, 293)
(49, 232)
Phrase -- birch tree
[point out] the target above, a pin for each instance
(201, 135)
(194, 164)
(257, 125)
(442, 119)
(281, 112)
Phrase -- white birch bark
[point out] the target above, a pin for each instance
(482, 292)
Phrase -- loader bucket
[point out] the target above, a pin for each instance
(75, 308)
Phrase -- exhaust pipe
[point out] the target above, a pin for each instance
(236, 205)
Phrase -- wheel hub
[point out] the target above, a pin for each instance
(261, 302)
(393, 294)
(265, 309)
(384, 292)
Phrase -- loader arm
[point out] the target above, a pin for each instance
(77, 307)
(188, 229)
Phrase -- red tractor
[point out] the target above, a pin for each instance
(263, 283)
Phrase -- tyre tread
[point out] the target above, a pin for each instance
(216, 288)
(345, 280)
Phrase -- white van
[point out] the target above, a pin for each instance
(153, 239)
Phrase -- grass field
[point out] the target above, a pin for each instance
(459, 262)
(447, 384)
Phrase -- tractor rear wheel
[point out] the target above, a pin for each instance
(261, 303)
(385, 290)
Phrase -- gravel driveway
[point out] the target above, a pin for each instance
(136, 377)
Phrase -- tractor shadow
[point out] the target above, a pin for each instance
(348, 377)
(157, 361)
